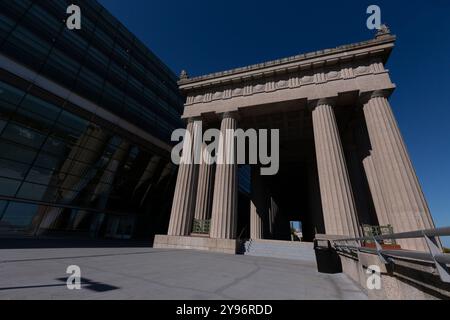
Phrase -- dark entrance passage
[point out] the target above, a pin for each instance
(295, 199)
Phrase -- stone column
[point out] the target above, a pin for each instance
(183, 204)
(224, 212)
(337, 199)
(360, 187)
(315, 206)
(258, 205)
(205, 190)
(376, 191)
(407, 206)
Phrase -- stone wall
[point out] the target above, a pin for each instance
(401, 280)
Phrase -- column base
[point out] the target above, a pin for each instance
(230, 246)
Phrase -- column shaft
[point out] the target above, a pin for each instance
(258, 205)
(315, 206)
(376, 191)
(183, 204)
(224, 212)
(407, 206)
(205, 189)
(335, 190)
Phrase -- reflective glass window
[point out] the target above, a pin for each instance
(98, 58)
(2, 125)
(102, 39)
(6, 109)
(57, 146)
(6, 25)
(10, 94)
(90, 81)
(43, 21)
(23, 135)
(33, 120)
(12, 169)
(40, 107)
(71, 43)
(16, 152)
(8, 187)
(32, 191)
(59, 61)
(2, 207)
(14, 7)
(45, 160)
(40, 175)
(113, 98)
(26, 47)
(71, 123)
(19, 215)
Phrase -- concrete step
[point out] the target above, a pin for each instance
(283, 256)
(280, 249)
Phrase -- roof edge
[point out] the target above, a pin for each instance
(383, 39)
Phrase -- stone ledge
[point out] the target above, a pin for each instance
(230, 246)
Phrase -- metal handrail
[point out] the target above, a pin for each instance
(438, 232)
(434, 255)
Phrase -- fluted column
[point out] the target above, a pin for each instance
(183, 204)
(224, 212)
(407, 206)
(315, 206)
(376, 191)
(258, 205)
(337, 199)
(205, 190)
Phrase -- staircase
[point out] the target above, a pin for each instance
(293, 250)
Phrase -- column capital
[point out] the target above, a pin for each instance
(322, 101)
(229, 114)
(193, 119)
(367, 96)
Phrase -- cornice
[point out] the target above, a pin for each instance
(378, 47)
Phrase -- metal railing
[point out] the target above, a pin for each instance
(201, 226)
(434, 255)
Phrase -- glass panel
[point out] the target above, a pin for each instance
(46, 160)
(40, 175)
(70, 123)
(22, 135)
(33, 120)
(12, 169)
(8, 187)
(40, 107)
(2, 125)
(6, 25)
(10, 94)
(18, 215)
(16, 152)
(56, 146)
(59, 61)
(2, 207)
(43, 21)
(26, 47)
(32, 191)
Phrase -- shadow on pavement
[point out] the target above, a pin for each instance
(85, 284)
(41, 243)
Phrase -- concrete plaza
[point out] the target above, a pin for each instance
(147, 273)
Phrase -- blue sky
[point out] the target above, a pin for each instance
(204, 36)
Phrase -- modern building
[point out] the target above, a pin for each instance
(85, 123)
(343, 161)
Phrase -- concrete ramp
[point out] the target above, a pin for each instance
(293, 250)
